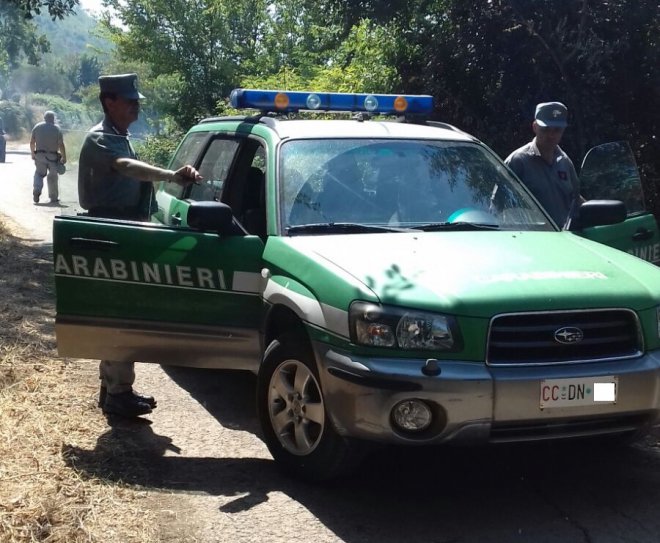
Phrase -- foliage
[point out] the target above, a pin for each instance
(87, 72)
(70, 46)
(200, 44)
(360, 64)
(57, 9)
(158, 149)
(488, 64)
(69, 114)
(18, 37)
(78, 33)
(40, 79)
(14, 117)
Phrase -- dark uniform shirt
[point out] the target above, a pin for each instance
(102, 190)
(556, 186)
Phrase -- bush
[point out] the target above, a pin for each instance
(14, 117)
(69, 114)
(158, 149)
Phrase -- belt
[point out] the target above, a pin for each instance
(42, 151)
(132, 213)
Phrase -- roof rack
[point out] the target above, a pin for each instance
(226, 118)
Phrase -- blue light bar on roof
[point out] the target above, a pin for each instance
(291, 101)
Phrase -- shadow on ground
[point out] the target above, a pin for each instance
(541, 492)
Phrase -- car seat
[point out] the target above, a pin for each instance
(254, 202)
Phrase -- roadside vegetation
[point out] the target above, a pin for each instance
(485, 63)
(47, 414)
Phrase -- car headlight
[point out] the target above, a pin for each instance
(395, 327)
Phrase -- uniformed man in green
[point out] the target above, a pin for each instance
(113, 183)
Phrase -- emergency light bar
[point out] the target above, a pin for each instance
(292, 101)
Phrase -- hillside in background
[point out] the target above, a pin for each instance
(74, 35)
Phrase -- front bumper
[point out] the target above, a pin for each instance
(475, 403)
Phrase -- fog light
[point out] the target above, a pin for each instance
(412, 415)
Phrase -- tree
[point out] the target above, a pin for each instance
(210, 46)
(201, 43)
(57, 9)
(18, 36)
(88, 71)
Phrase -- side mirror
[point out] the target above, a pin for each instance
(211, 216)
(598, 213)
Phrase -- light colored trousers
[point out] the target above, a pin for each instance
(117, 377)
(46, 164)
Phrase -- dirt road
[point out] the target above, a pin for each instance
(202, 456)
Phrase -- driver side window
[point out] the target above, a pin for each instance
(214, 170)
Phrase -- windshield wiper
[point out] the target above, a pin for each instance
(458, 225)
(343, 227)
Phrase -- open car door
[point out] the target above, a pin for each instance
(609, 172)
(144, 292)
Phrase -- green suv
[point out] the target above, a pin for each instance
(364, 271)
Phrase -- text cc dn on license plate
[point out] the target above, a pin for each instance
(578, 392)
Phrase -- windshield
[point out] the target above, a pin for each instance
(399, 184)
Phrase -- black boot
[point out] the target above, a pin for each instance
(149, 400)
(125, 404)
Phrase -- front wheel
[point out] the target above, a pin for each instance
(293, 416)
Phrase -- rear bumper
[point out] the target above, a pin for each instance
(472, 402)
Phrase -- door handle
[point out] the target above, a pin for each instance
(176, 219)
(86, 244)
(642, 234)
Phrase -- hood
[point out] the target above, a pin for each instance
(483, 273)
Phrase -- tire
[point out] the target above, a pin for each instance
(293, 416)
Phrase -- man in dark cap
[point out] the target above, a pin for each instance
(543, 167)
(113, 183)
(47, 149)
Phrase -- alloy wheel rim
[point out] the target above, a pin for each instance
(296, 408)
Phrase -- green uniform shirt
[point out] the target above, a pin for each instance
(100, 186)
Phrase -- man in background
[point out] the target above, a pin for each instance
(47, 149)
(113, 183)
(544, 168)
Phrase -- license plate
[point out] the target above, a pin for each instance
(579, 392)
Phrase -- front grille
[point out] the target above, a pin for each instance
(560, 337)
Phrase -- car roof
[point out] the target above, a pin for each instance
(308, 129)
(364, 129)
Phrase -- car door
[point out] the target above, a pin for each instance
(156, 293)
(609, 172)
(161, 291)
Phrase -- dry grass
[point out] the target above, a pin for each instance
(47, 412)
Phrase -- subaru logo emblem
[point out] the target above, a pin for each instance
(568, 335)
